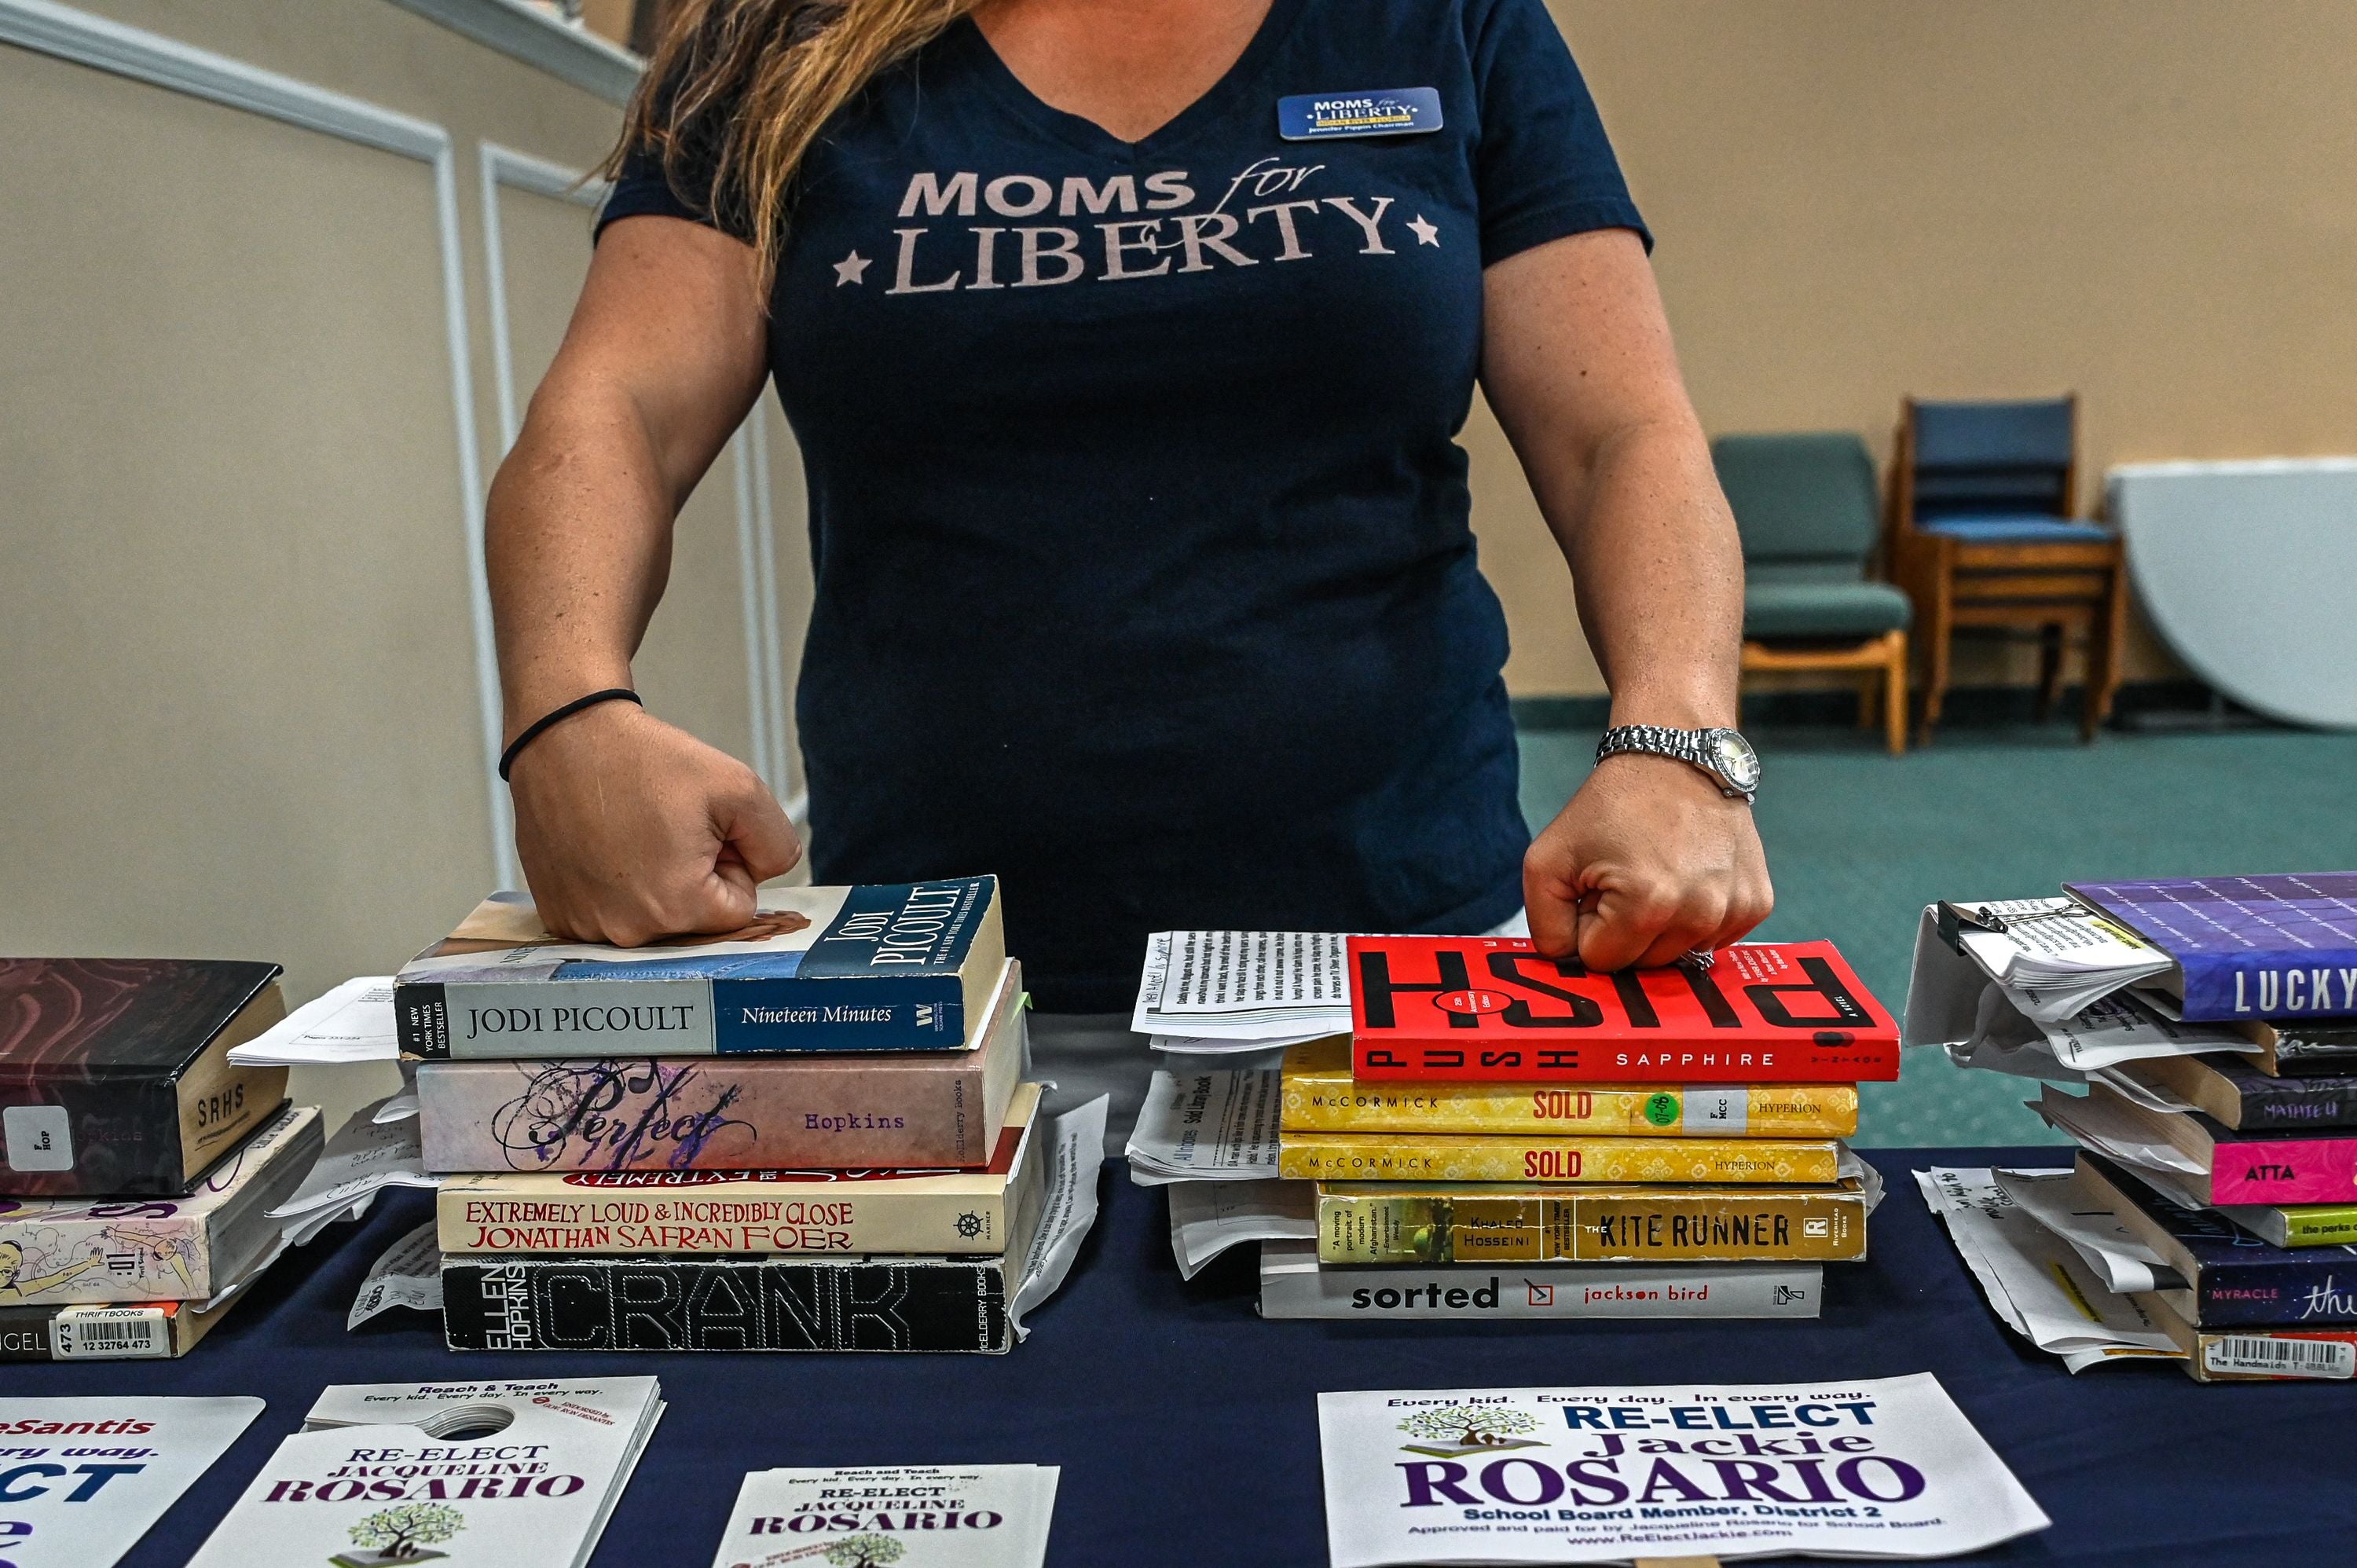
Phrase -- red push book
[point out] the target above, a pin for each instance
(1492, 1009)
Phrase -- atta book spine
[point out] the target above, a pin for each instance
(1474, 1225)
(2273, 1171)
(727, 1303)
(1391, 1156)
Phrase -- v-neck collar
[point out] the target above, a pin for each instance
(1214, 104)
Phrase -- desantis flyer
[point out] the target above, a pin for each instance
(1888, 1468)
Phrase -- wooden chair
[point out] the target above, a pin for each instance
(1982, 535)
(1804, 504)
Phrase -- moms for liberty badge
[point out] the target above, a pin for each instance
(1379, 111)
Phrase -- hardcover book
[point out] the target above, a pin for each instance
(390, 1475)
(1398, 1156)
(2239, 1095)
(2254, 1354)
(904, 967)
(1321, 1096)
(828, 1211)
(2232, 1279)
(1420, 1223)
(2315, 1166)
(69, 1251)
(114, 1073)
(1490, 1009)
(1293, 1284)
(2280, 946)
(851, 1111)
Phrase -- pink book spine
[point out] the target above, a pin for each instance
(703, 1113)
(2273, 1171)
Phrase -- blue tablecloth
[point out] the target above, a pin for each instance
(1187, 1430)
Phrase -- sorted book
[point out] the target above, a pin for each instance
(1321, 1096)
(1415, 1222)
(487, 1475)
(830, 1211)
(866, 1110)
(2274, 946)
(2230, 1278)
(1401, 1157)
(2240, 1096)
(114, 1073)
(1492, 1009)
(70, 1251)
(904, 967)
(1294, 1284)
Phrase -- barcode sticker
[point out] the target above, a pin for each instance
(110, 1333)
(2280, 1358)
(1721, 1112)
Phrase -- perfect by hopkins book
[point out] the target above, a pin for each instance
(903, 967)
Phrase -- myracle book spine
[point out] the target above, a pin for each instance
(2247, 948)
(893, 970)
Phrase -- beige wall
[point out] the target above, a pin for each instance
(2153, 203)
(241, 715)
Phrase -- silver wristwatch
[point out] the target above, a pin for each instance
(1724, 755)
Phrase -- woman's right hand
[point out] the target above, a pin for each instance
(631, 829)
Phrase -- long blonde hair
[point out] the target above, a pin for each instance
(738, 89)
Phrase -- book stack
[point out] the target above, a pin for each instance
(812, 1134)
(139, 1164)
(1502, 1134)
(2197, 1039)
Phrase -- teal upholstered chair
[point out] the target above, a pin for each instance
(1806, 508)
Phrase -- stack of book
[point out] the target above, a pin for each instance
(139, 1164)
(2212, 1023)
(1502, 1134)
(812, 1134)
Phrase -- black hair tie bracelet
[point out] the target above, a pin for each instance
(532, 731)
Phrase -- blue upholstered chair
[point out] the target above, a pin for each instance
(1805, 507)
(1982, 535)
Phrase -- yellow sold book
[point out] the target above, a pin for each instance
(1508, 1157)
(1320, 1096)
(1379, 1222)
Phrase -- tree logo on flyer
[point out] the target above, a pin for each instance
(1473, 1000)
(406, 1533)
(1451, 1432)
(865, 1551)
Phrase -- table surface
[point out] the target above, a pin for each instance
(1187, 1428)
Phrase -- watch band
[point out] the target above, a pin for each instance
(1679, 745)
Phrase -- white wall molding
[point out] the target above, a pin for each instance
(505, 169)
(531, 35)
(84, 39)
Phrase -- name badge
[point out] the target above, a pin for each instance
(1384, 112)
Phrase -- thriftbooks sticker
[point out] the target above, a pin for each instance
(1378, 111)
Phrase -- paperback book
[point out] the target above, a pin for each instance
(57, 1251)
(1295, 1285)
(1426, 1223)
(2240, 1096)
(1502, 1157)
(114, 1073)
(2222, 1165)
(815, 1212)
(1322, 1096)
(846, 1111)
(1492, 1009)
(139, 1331)
(2229, 1278)
(505, 1475)
(904, 967)
(2280, 946)
(2255, 1354)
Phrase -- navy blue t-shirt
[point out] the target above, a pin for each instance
(1139, 528)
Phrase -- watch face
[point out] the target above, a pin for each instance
(1736, 761)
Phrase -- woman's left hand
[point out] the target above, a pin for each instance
(1648, 862)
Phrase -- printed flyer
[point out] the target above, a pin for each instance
(907, 1516)
(83, 1479)
(1887, 1468)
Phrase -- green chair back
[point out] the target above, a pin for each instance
(1804, 498)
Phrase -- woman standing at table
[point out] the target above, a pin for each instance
(1126, 342)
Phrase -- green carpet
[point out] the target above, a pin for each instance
(1859, 842)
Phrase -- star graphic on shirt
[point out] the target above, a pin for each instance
(849, 269)
(1425, 234)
